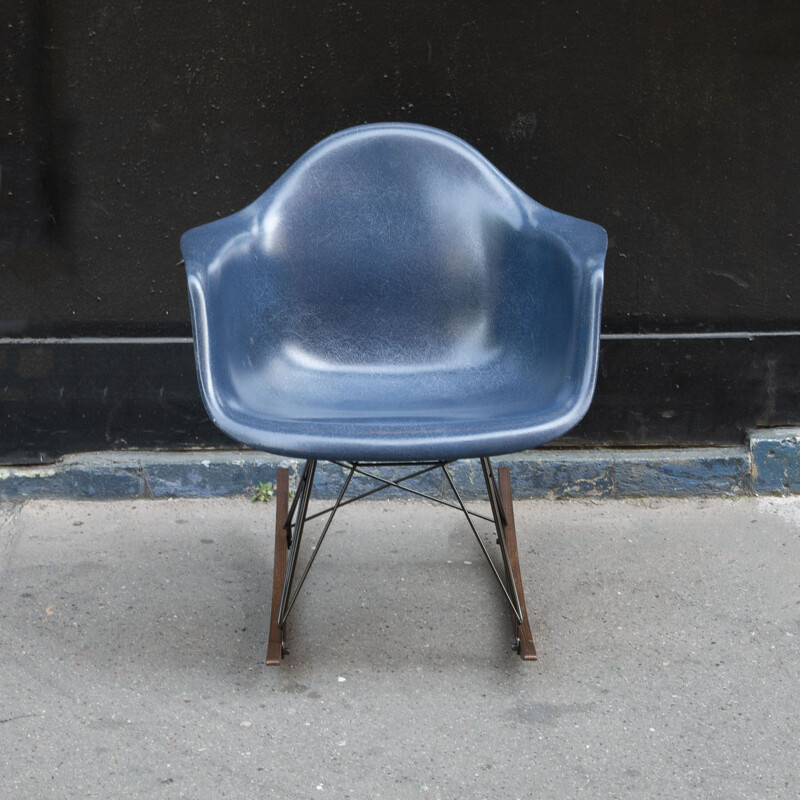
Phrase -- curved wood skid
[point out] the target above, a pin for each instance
(527, 650)
(275, 645)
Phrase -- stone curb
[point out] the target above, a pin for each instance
(769, 464)
(775, 457)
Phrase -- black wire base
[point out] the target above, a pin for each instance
(291, 522)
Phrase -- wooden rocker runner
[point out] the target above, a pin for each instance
(395, 301)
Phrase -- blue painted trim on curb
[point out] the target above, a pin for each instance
(685, 472)
(775, 457)
(75, 477)
(770, 465)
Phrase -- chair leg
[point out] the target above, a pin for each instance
(275, 645)
(527, 650)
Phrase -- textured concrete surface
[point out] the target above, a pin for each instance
(132, 638)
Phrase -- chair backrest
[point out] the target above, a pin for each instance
(396, 243)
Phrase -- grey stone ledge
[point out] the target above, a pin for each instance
(769, 464)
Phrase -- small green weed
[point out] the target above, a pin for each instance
(264, 492)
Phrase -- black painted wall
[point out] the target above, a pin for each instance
(673, 124)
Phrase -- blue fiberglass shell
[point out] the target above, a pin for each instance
(393, 297)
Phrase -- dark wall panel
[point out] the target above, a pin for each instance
(24, 207)
(66, 397)
(675, 125)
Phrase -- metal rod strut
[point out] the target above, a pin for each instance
(302, 510)
(387, 483)
(285, 612)
(377, 488)
(494, 499)
(512, 602)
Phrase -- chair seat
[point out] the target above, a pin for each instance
(385, 413)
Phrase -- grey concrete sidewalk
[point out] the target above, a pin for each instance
(132, 638)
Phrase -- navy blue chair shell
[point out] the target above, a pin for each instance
(394, 297)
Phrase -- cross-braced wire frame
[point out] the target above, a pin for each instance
(297, 515)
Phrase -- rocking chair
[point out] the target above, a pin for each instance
(393, 299)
